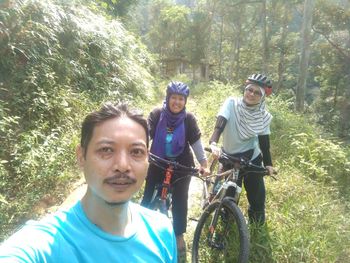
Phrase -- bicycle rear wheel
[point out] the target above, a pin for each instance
(227, 240)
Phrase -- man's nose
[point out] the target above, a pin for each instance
(122, 162)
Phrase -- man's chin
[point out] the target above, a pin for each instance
(117, 203)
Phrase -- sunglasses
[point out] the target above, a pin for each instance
(255, 92)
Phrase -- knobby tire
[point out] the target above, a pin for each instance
(231, 239)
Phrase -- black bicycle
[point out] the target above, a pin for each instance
(162, 195)
(222, 234)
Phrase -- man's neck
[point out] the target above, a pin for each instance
(111, 218)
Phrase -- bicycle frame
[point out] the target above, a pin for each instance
(222, 228)
(166, 183)
(162, 192)
(230, 182)
(228, 187)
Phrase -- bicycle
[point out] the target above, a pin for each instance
(221, 234)
(162, 196)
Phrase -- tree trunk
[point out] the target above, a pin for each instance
(305, 54)
(281, 67)
(220, 46)
(264, 39)
(344, 116)
(211, 10)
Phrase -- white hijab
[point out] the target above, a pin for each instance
(251, 120)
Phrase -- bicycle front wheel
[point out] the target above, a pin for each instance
(223, 240)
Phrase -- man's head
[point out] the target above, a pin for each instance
(106, 112)
(113, 153)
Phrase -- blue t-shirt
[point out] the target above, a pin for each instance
(69, 236)
(232, 143)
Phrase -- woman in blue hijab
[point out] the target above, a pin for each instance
(173, 130)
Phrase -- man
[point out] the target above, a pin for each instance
(105, 226)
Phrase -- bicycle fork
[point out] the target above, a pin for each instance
(213, 236)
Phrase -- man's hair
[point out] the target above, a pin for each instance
(106, 112)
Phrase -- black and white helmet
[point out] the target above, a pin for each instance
(262, 81)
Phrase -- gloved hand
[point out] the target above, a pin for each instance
(216, 150)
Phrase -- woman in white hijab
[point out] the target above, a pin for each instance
(245, 125)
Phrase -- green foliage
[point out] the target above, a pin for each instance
(307, 208)
(170, 29)
(301, 144)
(58, 61)
(116, 8)
(209, 97)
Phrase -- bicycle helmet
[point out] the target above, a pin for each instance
(262, 81)
(175, 87)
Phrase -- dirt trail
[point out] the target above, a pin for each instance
(79, 190)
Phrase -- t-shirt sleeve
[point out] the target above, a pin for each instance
(226, 108)
(193, 131)
(29, 244)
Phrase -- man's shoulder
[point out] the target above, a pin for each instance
(150, 217)
(45, 227)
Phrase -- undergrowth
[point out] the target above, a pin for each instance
(308, 206)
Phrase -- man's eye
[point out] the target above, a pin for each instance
(106, 150)
(138, 152)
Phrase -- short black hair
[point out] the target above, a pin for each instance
(108, 111)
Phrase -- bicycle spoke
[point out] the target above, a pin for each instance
(226, 242)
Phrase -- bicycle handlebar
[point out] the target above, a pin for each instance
(242, 162)
(164, 164)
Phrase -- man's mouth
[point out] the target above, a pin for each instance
(120, 182)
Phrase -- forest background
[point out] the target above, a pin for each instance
(61, 59)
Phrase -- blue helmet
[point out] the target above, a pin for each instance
(176, 87)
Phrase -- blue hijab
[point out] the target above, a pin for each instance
(175, 122)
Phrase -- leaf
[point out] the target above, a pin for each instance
(3, 200)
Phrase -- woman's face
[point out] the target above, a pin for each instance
(176, 103)
(252, 94)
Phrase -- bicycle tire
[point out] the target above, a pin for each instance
(230, 239)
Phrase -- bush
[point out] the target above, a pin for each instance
(58, 61)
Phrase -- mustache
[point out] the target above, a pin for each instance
(118, 177)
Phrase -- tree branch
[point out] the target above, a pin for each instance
(245, 2)
(339, 49)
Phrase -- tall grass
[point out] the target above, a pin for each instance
(308, 207)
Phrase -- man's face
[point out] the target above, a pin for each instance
(116, 160)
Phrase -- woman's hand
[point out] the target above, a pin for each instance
(203, 168)
(215, 150)
(204, 171)
(271, 170)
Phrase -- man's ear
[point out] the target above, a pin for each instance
(79, 151)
